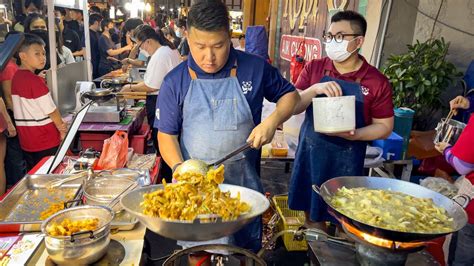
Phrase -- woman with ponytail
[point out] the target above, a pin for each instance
(163, 58)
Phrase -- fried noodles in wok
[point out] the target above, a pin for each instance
(194, 195)
(392, 210)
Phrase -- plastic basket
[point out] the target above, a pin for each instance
(289, 220)
(138, 141)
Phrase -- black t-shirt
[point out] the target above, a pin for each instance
(95, 56)
(71, 40)
(105, 44)
(176, 42)
(72, 25)
(183, 47)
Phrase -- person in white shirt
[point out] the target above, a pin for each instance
(241, 46)
(163, 59)
(65, 56)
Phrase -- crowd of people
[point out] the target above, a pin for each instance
(201, 90)
(32, 124)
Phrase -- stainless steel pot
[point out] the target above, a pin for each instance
(83, 247)
(448, 132)
(103, 190)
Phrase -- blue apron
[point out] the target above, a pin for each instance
(320, 157)
(216, 120)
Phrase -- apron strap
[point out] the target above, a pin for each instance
(233, 71)
(192, 73)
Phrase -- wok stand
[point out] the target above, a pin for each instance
(246, 257)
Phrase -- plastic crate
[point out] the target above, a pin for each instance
(138, 141)
(289, 220)
(392, 146)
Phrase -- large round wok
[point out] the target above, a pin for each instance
(196, 230)
(330, 187)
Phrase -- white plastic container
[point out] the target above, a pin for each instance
(334, 114)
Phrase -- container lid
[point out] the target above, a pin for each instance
(404, 111)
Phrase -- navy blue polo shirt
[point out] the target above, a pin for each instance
(257, 78)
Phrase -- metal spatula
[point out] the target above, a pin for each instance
(201, 167)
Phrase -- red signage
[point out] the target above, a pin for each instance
(289, 45)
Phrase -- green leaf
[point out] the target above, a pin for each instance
(410, 84)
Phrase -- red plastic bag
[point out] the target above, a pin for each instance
(297, 63)
(114, 151)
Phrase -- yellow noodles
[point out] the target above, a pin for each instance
(392, 210)
(194, 195)
(68, 227)
(52, 209)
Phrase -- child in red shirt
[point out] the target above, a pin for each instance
(39, 124)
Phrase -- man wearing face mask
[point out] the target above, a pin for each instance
(107, 48)
(71, 38)
(320, 157)
(183, 47)
(30, 7)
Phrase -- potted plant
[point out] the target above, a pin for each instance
(419, 77)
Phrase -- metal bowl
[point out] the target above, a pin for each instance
(196, 230)
(102, 190)
(83, 247)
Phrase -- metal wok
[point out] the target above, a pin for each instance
(330, 187)
(196, 230)
(99, 95)
(104, 95)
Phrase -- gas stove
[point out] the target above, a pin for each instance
(365, 250)
(332, 254)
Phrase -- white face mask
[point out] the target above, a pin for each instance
(179, 34)
(145, 53)
(338, 51)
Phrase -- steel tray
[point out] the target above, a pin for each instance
(123, 221)
(22, 207)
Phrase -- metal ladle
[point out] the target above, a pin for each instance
(201, 167)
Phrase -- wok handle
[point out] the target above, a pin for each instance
(465, 200)
(317, 189)
(68, 204)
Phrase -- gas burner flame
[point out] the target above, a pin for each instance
(381, 242)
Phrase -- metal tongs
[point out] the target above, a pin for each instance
(201, 167)
(447, 137)
(57, 183)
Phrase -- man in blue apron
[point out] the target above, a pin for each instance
(212, 103)
(320, 157)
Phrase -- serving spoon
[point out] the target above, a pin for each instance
(201, 167)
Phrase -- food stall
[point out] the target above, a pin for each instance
(85, 208)
(65, 182)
